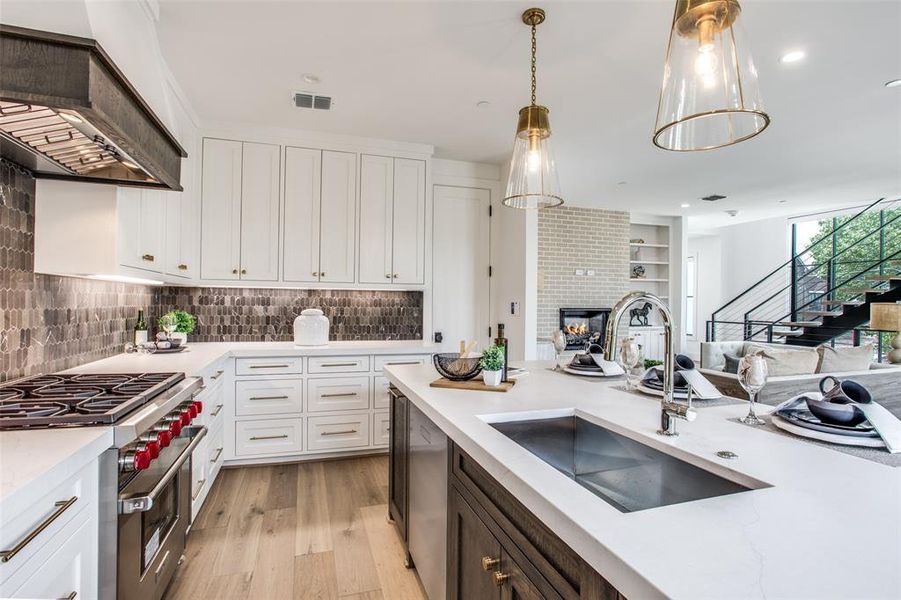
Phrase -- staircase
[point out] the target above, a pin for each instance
(823, 293)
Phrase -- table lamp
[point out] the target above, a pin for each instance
(887, 317)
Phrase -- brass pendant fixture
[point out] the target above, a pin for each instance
(710, 96)
(533, 181)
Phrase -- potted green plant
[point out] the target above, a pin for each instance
(184, 324)
(492, 364)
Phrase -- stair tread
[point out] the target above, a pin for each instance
(845, 302)
(883, 277)
(863, 290)
(787, 332)
(798, 323)
(822, 313)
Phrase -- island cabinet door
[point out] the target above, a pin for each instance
(514, 584)
(397, 461)
(474, 556)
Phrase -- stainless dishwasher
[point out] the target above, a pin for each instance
(427, 521)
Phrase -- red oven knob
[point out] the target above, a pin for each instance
(198, 406)
(185, 417)
(152, 448)
(164, 438)
(142, 460)
(192, 410)
(175, 427)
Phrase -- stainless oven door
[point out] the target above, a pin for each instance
(154, 513)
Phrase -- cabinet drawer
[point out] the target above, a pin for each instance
(277, 365)
(380, 396)
(199, 470)
(345, 393)
(65, 569)
(339, 364)
(404, 359)
(268, 397)
(274, 436)
(212, 398)
(381, 429)
(333, 432)
(215, 453)
(28, 531)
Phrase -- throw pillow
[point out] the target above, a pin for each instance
(844, 359)
(731, 365)
(788, 362)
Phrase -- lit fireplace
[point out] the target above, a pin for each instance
(583, 326)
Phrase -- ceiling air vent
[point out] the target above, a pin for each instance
(304, 100)
(713, 198)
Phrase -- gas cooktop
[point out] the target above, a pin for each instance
(73, 400)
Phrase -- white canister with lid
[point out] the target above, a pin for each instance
(311, 328)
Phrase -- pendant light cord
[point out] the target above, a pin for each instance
(534, 51)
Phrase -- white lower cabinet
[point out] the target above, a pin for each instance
(338, 393)
(380, 397)
(268, 397)
(381, 428)
(269, 437)
(55, 542)
(338, 432)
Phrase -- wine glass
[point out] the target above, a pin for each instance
(169, 324)
(629, 355)
(752, 374)
(559, 339)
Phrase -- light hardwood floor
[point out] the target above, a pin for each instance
(314, 530)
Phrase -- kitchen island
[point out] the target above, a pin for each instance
(815, 523)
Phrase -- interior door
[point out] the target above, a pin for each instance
(259, 212)
(339, 217)
(408, 222)
(303, 168)
(461, 241)
(221, 210)
(376, 207)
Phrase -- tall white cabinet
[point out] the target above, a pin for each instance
(240, 210)
(320, 215)
(392, 220)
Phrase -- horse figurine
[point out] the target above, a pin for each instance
(640, 314)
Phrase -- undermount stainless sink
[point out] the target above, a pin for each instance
(624, 473)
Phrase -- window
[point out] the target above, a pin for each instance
(691, 288)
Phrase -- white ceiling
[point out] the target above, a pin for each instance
(414, 71)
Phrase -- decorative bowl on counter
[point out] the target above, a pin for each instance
(451, 366)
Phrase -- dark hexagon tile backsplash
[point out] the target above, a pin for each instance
(49, 323)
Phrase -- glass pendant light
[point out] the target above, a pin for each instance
(533, 179)
(710, 97)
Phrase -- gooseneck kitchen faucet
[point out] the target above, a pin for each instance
(669, 410)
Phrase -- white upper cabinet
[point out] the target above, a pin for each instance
(303, 169)
(220, 231)
(408, 231)
(153, 210)
(392, 220)
(260, 212)
(376, 205)
(337, 243)
(140, 222)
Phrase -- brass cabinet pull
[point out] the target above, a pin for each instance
(269, 366)
(315, 274)
(394, 276)
(346, 431)
(322, 273)
(342, 395)
(218, 374)
(234, 271)
(217, 411)
(243, 271)
(183, 267)
(344, 364)
(269, 437)
(148, 257)
(387, 275)
(489, 564)
(201, 483)
(218, 454)
(62, 506)
(500, 578)
(269, 397)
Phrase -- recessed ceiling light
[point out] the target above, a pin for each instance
(483, 104)
(621, 182)
(686, 205)
(310, 78)
(893, 83)
(792, 57)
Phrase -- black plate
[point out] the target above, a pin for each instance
(804, 418)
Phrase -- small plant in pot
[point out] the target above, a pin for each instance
(492, 364)
(184, 324)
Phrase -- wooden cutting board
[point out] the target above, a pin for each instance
(476, 385)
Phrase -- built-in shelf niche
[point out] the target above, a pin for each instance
(649, 249)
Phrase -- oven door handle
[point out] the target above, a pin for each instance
(142, 502)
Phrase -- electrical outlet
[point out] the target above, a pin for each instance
(580, 272)
(514, 308)
(590, 272)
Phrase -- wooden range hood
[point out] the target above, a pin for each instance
(67, 112)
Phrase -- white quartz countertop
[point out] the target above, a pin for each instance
(32, 463)
(827, 526)
(200, 355)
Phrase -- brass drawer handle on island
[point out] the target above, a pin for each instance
(255, 438)
(62, 506)
(490, 564)
(500, 578)
(344, 432)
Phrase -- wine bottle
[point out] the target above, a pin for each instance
(140, 329)
(500, 340)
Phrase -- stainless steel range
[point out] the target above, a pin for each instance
(145, 478)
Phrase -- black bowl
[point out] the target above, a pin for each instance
(834, 413)
(452, 367)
